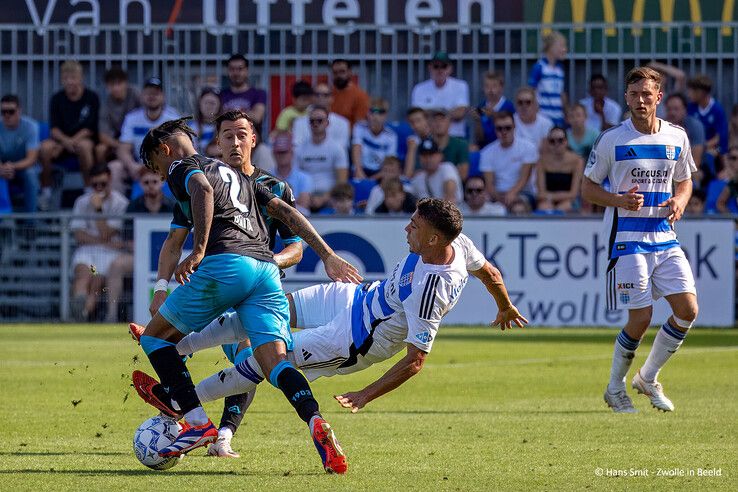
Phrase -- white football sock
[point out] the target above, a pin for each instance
(196, 416)
(225, 433)
(221, 331)
(667, 341)
(622, 358)
(230, 381)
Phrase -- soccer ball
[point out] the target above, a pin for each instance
(153, 435)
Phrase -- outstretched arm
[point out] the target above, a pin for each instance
(336, 267)
(507, 312)
(405, 368)
(289, 256)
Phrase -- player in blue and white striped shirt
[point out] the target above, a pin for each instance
(547, 77)
(644, 158)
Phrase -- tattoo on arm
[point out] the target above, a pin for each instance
(202, 211)
(299, 225)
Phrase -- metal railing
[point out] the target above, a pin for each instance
(390, 59)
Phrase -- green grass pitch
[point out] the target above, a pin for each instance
(518, 410)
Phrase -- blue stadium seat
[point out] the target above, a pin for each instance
(403, 130)
(712, 194)
(44, 131)
(362, 188)
(474, 164)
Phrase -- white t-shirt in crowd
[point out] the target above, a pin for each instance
(338, 130)
(136, 125)
(376, 196)
(426, 186)
(489, 208)
(534, 132)
(374, 148)
(320, 161)
(613, 112)
(453, 94)
(506, 163)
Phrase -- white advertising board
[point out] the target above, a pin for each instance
(553, 267)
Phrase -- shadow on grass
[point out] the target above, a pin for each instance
(59, 453)
(137, 472)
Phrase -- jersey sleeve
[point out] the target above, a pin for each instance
(685, 165)
(288, 237)
(179, 219)
(599, 162)
(262, 194)
(474, 258)
(180, 173)
(424, 309)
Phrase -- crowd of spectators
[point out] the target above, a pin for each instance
(517, 151)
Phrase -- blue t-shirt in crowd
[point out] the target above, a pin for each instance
(549, 82)
(713, 120)
(16, 142)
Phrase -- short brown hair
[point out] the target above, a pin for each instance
(492, 75)
(639, 73)
(442, 215)
(391, 185)
(342, 190)
(700, 82)
(232, 115)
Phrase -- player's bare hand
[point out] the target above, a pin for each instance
(340, 270)
(632, 200)
(159, 297)
(187, 267)
(508, 317)
(676, 208)
(353, 400)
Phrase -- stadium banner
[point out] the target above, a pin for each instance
(554, 267)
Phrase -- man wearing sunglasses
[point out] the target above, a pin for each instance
(530, 124)
(372, 141)
(339, 128)
(18, 152)
(443, 91)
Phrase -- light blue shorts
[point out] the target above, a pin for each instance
(249, 286)
(234, 355)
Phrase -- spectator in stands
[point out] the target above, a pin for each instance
(530, 124)
(507, 163)
(372, 140)
(676, 112)
(696, 204)
(74, 116)
(455, 150)
(339, 128)
(547, 78)
(153, 112)
(324, 160)
(300, 182)
(208, 107)
(580, 135)
(349, 100)
(417, 118)
(559, 173)
(602, 112)
(733, 127)
(341, 201)
(443, 91)
(520, 206)
(262, 155)
(152, 200)
(727, 200)
(391, 168)
(476, 200)
(302, 98)
(483, 126)
(121, 100)
(98, 240)
(436, 179)
(239, 94)
(709, 112)
(18, 152)
(396, 200)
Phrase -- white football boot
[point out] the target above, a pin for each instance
(654, 391)
(222, 448)
(620, 402)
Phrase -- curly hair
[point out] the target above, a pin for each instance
(443, 215)
(158, 134)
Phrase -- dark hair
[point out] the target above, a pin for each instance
(156, 135)
(597, 76)
(99, 169)
(10, 98)
(115, 74)
(501, 115)
(389, 185)
(699, 194)
(415, 109)
(341, 60)
(302, 88)
(318, 107)
(238, 57)
(342, 190)
(676, 95)
(476, 176)
(442, 215)
(232, 115)
(700, 82)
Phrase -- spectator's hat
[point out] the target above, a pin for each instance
(154, 82)
(441, 57)
(428, 146)
(282, 142)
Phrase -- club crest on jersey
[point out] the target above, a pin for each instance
(424, 337)
(670, 152)
(406, 279)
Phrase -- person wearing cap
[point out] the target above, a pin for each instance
(372, 141)
(349, 100)
(436, 179)
(443, 91)
(300, 182)
(507, 163)
(302, 98)
(339, 128)
(120, 100)
(455, 149)
(153, 112)
(73, 114)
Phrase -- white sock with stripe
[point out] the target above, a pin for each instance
(667, 341)
(622, 358)
(221, 331)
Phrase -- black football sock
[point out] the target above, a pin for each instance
(174, 377)
(234, 408)
(297, 390)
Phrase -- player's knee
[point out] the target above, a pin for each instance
(686, 315)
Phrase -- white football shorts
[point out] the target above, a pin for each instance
(637, 280)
